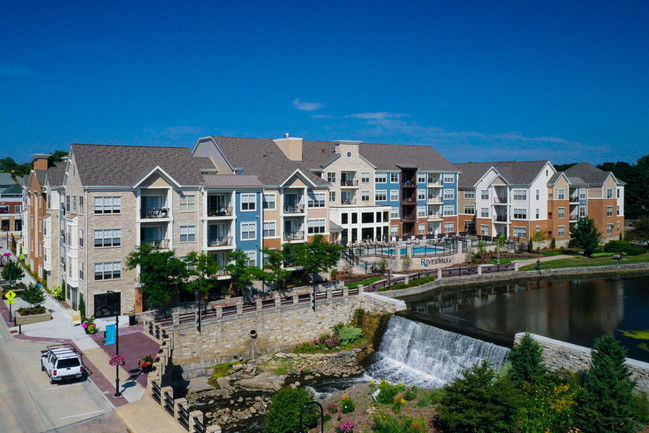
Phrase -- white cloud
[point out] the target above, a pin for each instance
(378, 115)
(322, 116)
(19, 71)
(306, 106)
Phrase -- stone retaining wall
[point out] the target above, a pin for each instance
(559, 355)
(32, 318)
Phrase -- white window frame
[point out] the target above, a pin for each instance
(248, 202)
(609, 211)
(448, 210)
(449, 227)
(484, 229)
(187, 234)
(365, 196)
(562, 212)
(108, 238)
(394, 195)
(519, 214)
(252, 258)
(421, 228)
(520, 232)
(316, 226)
(331, 177)
(394, 212)
(609, 192)
(270, 201)
(380, 178)
(107, 204)
(108, 270)
(561, 231)
(421, 179)
(484, 194)
(317, 200)
(469, 209)
(365, 177)
(484, 212)
(380, 195)
(394, 230)
(248, 231)
(394, 177)
(270, 229)
(449, 194)
(469, 194)
(188, 203)
(421, 194)
(520, 194)
(609, 229)
(448, 178)
(582, 211)
(421, 211)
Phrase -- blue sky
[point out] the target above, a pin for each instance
(479, 81)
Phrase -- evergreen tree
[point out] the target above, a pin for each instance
(605, 405)
(283, 414)
(33, 295)
(527, 362)
(585, 235)
(12, 271)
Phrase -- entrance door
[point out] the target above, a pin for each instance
(107, 304)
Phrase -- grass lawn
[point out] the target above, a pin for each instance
(365, 282)
(503, 260)
(581, 262)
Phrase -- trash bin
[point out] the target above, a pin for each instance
(131, 320)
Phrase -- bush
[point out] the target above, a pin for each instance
(283, 413)
(636, 251)
(58, 293)
(347, 404)
(349, 335)
(599, 255)
(527, 361)
(410, 394)
(82, 306)
(387, 391)
(33, 310)
(34, 295)
(617, 247)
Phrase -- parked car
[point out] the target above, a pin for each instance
(61, 362)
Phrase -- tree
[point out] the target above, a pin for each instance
(57, 156)
(7, 164)
(13, 271)
(199, 269)
(605, 405)
(585, 235)
(316, 256)
(33, 295)
(283, 413)
(276, 275)
(477, 402)
(161, 273)
(640, 231)
(241, 275)
(526, 361)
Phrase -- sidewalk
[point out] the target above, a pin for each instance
(542, 259)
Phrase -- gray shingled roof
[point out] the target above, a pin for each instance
(55, 174)
(111, 165)
(576, 181)
(392, 156)
(12, 189)
(514, 172)
(263, 158)
(588, 173)
(231, 181)
(205, 162)
(6, 179)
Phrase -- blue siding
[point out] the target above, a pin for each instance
(249, 216)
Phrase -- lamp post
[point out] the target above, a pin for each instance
(117, 393)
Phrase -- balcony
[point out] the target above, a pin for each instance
(348, 183)
(154, 213)
(294, 236)
(434, 181)
(409, 184)
(500, 199)
(435, 216)
(220, 241)
(435, 199)
(500, 218)
(574, 216)
(298, 208)
(159, 244)
(348, 200)
(219, 212)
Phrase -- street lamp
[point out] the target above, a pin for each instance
(117, 393)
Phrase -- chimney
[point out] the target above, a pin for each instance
(41, 161)
(291, 146)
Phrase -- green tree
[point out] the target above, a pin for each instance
(161, 273)
(283, 415)
(636, 176)
(316, 256)
(12, 271)
(57, 156)
(605, 404)
(585, 235)
(241, 275)
(526, 361)
(477, 402)
(82, 305)
(276, 275)
(199, 269)
(640, 231)
(7, 164)
(33, 295)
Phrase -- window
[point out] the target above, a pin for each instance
(449, 227)
(582, 211)
(562, 212)
(449, 194)
(108, 271)
(421, 211)
(609, 192)
(331, 177)
(538, 229)
(81, 204)
(484, 212)
(248, 202)
(81, 270)
(394, 212)
(520, 232)
(248, 231)
(618, 226)
(618, 210)
(365, 196)
(187, 233)
(380, 178)
(561, 194)
(421, 194)
(344, 218)
(609, 229)
(316, 226)
(618, 193)
(538, 194)
(252, 258)
(380, 195)
(317, 199)
(80, 237)
(421, 178)
(520, 194)
(394, 195)
(108, 205)
(67, 203)
(332, 195)
(270, 201)
(449, 210)
(270, 229)
(484, 229)
(469, 194)
(421, 228)
(520, 214)
(484, 194)
(394, 177)
(108, 238)
(582, 193)
(609, 211)
(19, 208)
(561, 231)
(469, 209)
(187, 203)
(449, 178)
(354, 218)
(365, 177)
(394, 231)
(538, 214)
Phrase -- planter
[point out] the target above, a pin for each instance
(32, 318)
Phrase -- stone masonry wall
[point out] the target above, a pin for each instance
(559, 355)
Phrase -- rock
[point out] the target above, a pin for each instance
(237, 367)
(224, 383)
(199, 384)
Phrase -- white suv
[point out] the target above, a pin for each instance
(61, 362)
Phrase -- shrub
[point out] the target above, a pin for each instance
(410, 394)
(306, 347)
(345, 427)
(398, 403)
(553, 243)
(347, 404)
(617, 246)
(526, 361)
(599, 255)
(349, 335)
(58, 293)
(387, 391)
(636, 251)
(283, 413)
(332, 408)
(82, 305)
(34, 295)
(33, 310)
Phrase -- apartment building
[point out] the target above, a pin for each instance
(599, 195)
(11, 202)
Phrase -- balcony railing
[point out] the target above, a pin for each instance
(500, 217)
(161, 244)
(432, 216)
(221, 241)
(299, 208)
(155, 213)
(434, 182)
(223, 211)
(500, 199)
(437, 199)
(349, 182)
(293, 236)
(409, 183)
(348, 201)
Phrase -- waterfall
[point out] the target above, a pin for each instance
(418, 354)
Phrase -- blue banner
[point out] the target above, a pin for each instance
(110, 334)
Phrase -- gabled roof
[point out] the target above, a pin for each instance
(116, 165)
(576, 181)
(514, 172)
(55, 174)
(7, 179)
(263, 158)
(590, 174)
(393, 156)
(12, 189)
(231, 181)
